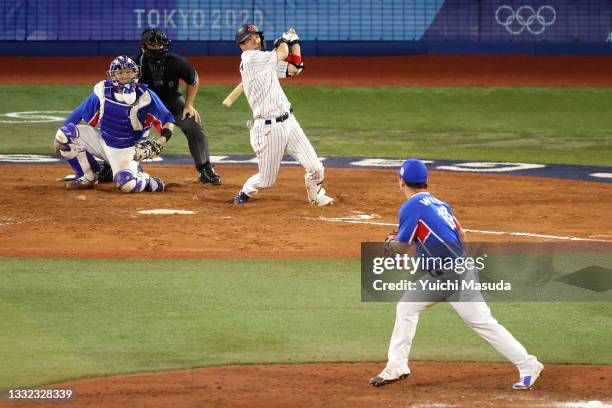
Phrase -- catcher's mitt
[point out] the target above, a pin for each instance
(148, 149)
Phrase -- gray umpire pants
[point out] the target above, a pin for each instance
(196, 138)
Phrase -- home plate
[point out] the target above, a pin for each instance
(163, 211)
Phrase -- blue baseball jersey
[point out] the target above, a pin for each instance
(431, 225)
(124, 124)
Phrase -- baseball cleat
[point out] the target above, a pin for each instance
(385, 377)
(324, 200)
(208, 175)
(528, 378)
(80, 183)
(106, 173)
(241, 198)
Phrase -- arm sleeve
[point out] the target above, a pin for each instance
(159, 109)
(409, 216)
(88, 111)
(186, 71)
(281, 69)
(157, 114)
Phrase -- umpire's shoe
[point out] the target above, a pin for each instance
(81, 183)
(208, 175)
(389, 376)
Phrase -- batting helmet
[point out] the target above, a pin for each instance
(244, 31)
(413, 171)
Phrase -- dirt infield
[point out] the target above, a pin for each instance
(34, 206)
(342, 385)
(415, 70)
(39, 218)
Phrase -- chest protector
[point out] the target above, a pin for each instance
(119, 125)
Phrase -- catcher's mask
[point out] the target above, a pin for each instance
(245, 31)
(119, 64)
(152, 36)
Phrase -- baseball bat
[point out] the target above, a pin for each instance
(235, 94)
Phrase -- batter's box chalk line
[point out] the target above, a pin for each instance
(359, 217)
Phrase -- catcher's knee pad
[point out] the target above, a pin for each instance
(65, 136)
(130, 182)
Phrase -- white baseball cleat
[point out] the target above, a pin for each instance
(322, 199)
(389, 376)
(529, 377)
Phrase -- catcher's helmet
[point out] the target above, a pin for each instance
(154, 36)
(245, 30)
(118, 64)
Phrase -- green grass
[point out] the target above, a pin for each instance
(546, 125)
(64, 319)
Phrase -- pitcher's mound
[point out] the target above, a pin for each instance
(346, 385)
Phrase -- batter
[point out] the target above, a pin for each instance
(431, 225)
(274, 129)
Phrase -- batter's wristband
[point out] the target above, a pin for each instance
(167, 133)
(294, 59)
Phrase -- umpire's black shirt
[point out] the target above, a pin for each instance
(162, 76)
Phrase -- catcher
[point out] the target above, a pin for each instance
(125, 110)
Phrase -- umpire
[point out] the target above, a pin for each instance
(161, 71)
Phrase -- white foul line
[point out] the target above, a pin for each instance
(351, 220)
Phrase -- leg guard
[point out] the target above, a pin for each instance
(314, 181)
(154, 184)
(316, 192)
(82, 162)
(65, 136)
(129, 182)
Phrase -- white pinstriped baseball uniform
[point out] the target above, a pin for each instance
(260, 72)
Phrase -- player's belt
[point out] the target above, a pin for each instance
(280, 118)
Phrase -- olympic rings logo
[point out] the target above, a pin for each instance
(525, 17)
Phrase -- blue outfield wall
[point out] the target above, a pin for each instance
(310, 48)
(327, 27)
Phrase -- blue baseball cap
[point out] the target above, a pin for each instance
(413, 171)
